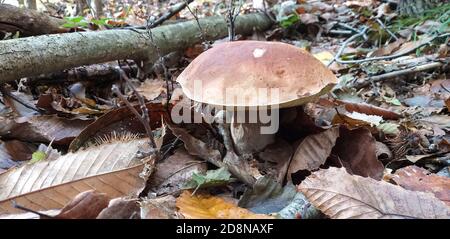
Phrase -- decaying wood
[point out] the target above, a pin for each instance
(28, 22)
(33, 56)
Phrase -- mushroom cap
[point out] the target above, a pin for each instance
(256, 73)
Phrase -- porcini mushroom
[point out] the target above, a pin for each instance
(248, 68)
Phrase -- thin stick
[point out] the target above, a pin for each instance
(144, 118)
(42, 215)
(386, 29)
(172, 11)
(198, 24)
(344, 45)
(5, 92)
(393, 74)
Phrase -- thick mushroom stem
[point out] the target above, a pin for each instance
(248, 137)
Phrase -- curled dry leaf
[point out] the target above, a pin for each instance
(120, 208)
(313, 151)
(43, 128)
(341, 196)
(197, 147)
(356, 151)
(419, 179)
(111, 168)
(86, 205)
(211, 207)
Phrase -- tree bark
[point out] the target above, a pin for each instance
(28, 22)
(32, 56)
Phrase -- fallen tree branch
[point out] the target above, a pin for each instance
(33, 56)
(28, 22)
(99, 72)
(425, 67)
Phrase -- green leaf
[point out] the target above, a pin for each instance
(69, 25)
(393, 101)
(212, 178)
(74, 19)
(389, 128)
(38, 156)
(288, 21)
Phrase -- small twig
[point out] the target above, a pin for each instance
(378, 58)
(386, 29)
(163, 63)
(393, 74)
(172, 146)
(42, 215)
(340, 32)
(172, 11)
(232, 14)
(144, 117)
(345, 43)
(353, 29)
(202, 33)
(5, 92)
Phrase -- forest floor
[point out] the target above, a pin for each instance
(375, 146)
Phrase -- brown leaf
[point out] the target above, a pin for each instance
(388, 49)
(151, 89)
(120, 208)
(195, 146)
(176, 170)
(356, 151)
(159, 208)
(121, 118)
(313, 151)
(111, 168)
(211, 207)
(341, 196)
(43, 128)
(86, 205)
(419, 179)
(279, 154)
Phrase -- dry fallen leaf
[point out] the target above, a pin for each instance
(313, 151)
(342, 196)
(86, 205)
(159, 208)
(111, 168)
(44, 128)
(211, 207)
(151, 89)
(120, 208)
(175, 171)
(419, 179)
(356, 151)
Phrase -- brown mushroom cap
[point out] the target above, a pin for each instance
(246, 68)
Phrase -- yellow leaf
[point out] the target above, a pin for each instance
(211, 207)
(324, 56)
